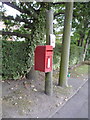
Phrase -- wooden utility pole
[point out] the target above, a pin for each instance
(66, 45)
(49, 30)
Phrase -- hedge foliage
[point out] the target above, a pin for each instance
(56, 56)
(15, 59)
(76, 54)
(88, 53)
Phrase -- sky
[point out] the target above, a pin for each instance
(11, 11)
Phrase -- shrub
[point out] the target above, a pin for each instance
(76, 54)
(56, 56)
(18, 58)
(15, 59)
(88, 53)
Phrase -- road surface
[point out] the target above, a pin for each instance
(77, 106)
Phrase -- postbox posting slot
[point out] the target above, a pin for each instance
(49, 50)
(48, 62)
(49, 53)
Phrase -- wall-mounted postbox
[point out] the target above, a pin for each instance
(43, 58)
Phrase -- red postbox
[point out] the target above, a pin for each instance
(43, 58)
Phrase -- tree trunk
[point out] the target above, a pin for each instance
(78, 43)
(32, 74)
(66, 45)
(86, 46)
(82, 41)
(85, 51)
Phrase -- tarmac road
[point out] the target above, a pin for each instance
(77, 106)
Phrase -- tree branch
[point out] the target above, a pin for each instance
(29, 13)
(58, 3)
(56, 14)
(13, 6)
(15, 34)
(18, 19)
(31, 8)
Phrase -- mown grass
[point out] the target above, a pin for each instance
(80, 71)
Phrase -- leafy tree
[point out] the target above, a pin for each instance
(66, 45)
(81, 21)
(31, 22)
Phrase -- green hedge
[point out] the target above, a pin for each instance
(88, 53)
(56, 56)
(76, 54)
(15, 59)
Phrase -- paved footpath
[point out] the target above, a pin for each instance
(76, 107)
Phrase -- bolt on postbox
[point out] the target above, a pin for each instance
(43, 58)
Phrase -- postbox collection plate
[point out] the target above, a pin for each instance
(52, 40)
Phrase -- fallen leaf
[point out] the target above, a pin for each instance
(3, 81)
(16, 86)
(30, 101)
(35, 89)
(29, 110)
(1, 99)
(57, 96)
(57, 105)
(23, 110)
(12, 88)
(32, 86)
(66, 99)
(20, 97)
(26, 85)
(60, 103)
(8, 82)
(15, 104)
(61, 97)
